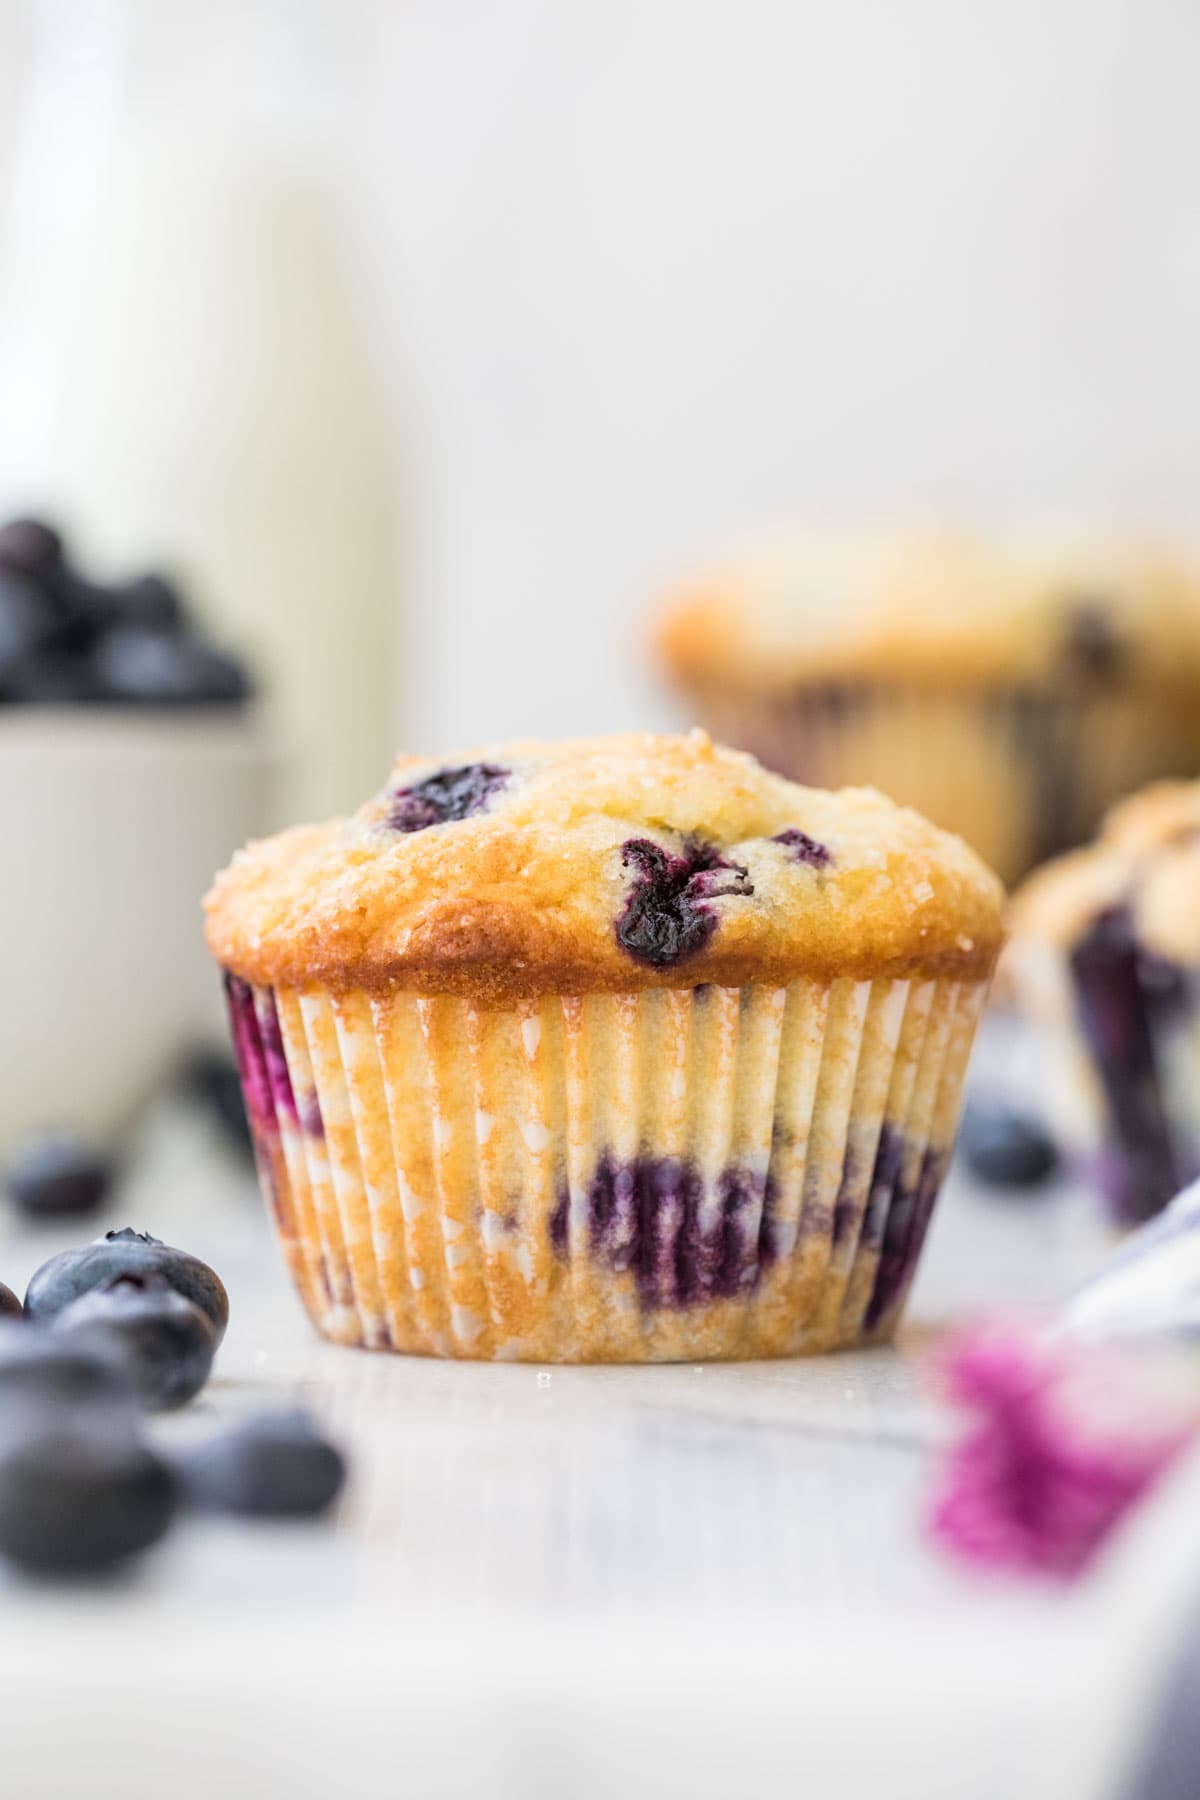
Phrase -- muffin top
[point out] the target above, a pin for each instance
(605, 864)
(1144, 864)
(953, 606)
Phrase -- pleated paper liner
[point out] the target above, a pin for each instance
(1020, 775)
(691, 1174)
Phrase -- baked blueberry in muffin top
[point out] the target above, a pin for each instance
(603, 864)
(445, 796)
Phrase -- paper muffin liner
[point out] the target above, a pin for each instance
(1020, 775)
(666, 1175)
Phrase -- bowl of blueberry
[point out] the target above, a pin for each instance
(132, 761)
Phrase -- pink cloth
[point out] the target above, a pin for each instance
(1063, 1440)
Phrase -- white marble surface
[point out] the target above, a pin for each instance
(552, 1581)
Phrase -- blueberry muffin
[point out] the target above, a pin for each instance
(1011, 689)
(1106, 956)
(617, 1050)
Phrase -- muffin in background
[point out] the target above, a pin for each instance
(1106, 957)
(615, 1050)
(1009, 688)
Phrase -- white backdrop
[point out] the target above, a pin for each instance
(652, 269)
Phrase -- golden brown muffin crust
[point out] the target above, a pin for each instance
(939, 608)
(1146, 858)
(577, 853)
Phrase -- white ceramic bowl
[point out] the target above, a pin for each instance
(111, 827)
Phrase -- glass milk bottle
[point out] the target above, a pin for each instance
(187, 382)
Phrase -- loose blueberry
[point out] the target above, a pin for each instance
(275, 1466)
(1004, 1147)
(42, 1368)
(77, 1497)
(447, 797)
(10, 1306)
(155, 666)
(804, 848)
(72, 1273)
(171, 1343)
(29, 545)
(214, 1080)
(666, 917)
(57, 1177)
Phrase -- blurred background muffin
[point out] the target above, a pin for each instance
(1010, 687)
(1105, 959)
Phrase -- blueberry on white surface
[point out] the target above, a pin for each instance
(119, 1253)
(170, 1342)
(1005, 1147)
(277, 1465)
(80, 1496)
(41, 1368)
(58, 1176)
(10, 1306)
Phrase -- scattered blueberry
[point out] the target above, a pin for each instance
(57, 1177)
(448, 796)
(78, 1497)
(804, 848)
(10, 1306)
(152, 665)
(171, 1343)
(73, 1273)
(275, 1466)
(1004, 1147)
(214, 1079)
(29, 545)
(666, 917)
(41, 1367)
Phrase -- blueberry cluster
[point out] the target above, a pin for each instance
(69, 641)
(109, 1331)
